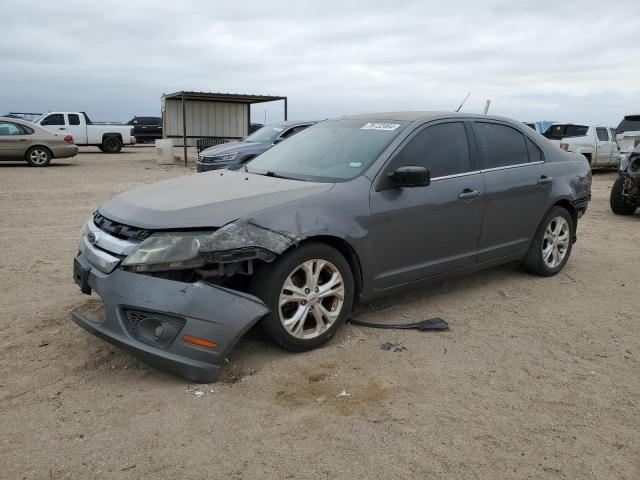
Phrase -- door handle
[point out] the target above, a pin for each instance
(543, 180)
(24, 139)
(61, 128)
(468, 193)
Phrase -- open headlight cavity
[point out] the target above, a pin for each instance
(168, 251)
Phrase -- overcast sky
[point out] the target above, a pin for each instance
(558, 60)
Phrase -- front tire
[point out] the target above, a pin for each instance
(618, 202)
(38, 157)
(551, 245)
(111, 145)
(309, 291)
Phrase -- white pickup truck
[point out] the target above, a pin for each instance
(108, 138)
(596, 143)
(628, 133)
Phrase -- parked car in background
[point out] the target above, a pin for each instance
(625, 193)
(22, 140)
(108, 138)
(146, 129)
(342, 212)
(596, 143)
(232, 154)
(628, 133)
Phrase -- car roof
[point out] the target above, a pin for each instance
(411, 116)
(21, 121)
(291, 123)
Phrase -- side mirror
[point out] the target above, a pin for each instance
(410, 176)
(278, 140)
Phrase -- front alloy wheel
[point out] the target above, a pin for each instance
(311, 299)
(309, 291)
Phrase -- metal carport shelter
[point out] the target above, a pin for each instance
(225, 116)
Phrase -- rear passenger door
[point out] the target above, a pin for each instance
(14, 140)
(517, 187)
(424, 231)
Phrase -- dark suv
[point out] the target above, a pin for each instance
(236, 153)
(146, 129)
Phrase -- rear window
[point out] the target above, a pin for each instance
(560, 131)
(500, 145)
(631, 123)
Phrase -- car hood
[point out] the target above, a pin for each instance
(203, 200)
(232, 147)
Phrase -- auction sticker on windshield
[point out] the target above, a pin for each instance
(380, 126)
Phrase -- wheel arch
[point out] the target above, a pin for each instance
(31, 147)
(350, 255)
(111, 134)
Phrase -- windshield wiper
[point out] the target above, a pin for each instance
(271, 173)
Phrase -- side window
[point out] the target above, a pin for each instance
(293, 131)
(7, 128)
(55, 119)
(443, 148)
(602, 133)
(500, 145)
(535, 154)
(74, 119)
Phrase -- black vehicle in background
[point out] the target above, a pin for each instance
(146, 129)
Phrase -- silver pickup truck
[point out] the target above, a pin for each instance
(108, 138)
(596, 143)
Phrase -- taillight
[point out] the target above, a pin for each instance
(68, 138)
(564, 146)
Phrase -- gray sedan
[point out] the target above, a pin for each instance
(22, 140)
(232, 154)
(343, 212)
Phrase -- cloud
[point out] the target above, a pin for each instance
(564, 60)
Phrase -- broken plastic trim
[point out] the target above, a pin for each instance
(243, 240)
(424, 325)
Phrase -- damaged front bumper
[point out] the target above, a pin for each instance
(158, 319)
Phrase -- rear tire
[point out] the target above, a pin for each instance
(551, 245)
(619, 204)
(111, 145)
(312, 283)
(38, 157)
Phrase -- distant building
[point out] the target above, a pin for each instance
(209, 115)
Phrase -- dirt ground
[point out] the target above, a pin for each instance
(537, 378)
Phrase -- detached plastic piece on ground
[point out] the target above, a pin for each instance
(425, 325)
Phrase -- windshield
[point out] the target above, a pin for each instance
(560, 131)
(630, 123)
(331, 151)
(265, 134)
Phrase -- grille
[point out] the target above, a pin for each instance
(153, 328)
(120, 230)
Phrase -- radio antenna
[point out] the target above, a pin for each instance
(465, 99)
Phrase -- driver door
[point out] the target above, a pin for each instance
(419, 232)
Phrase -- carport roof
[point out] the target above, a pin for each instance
(224, 97)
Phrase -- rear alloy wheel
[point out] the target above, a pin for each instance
(551, 245)
(617, 200)
(38, 157)
(309, 291)
(111, 145)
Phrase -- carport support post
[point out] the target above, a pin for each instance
(184, 130)
(285, 109)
